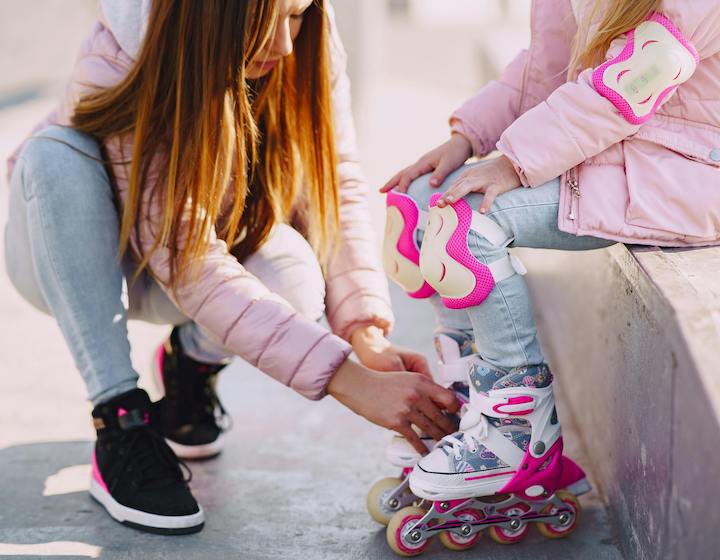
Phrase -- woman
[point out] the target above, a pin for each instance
(221, 126)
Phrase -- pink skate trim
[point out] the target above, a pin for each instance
(571, 472)
(512, 401)
(489, 475)
(97, 477)
(457, 248)
(530, 474)
(617, 99)
(407, 244)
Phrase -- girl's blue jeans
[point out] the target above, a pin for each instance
(503, 325)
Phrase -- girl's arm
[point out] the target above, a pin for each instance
(576, 122)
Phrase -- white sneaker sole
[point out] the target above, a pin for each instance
(423, 486)
(193, 452)
(167, 524)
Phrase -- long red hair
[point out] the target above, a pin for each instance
(201, 127)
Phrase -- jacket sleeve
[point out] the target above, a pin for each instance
(576, 122)
(528, 79)
(251, 321)
(357, 290)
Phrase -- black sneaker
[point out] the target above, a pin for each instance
(192, 417)
(135, 476)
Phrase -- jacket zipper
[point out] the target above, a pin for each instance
(572, 182)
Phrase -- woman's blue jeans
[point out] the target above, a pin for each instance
(61, 246)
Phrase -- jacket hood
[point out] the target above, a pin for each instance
(127, 20)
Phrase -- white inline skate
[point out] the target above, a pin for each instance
(501, 471)
(456, 353)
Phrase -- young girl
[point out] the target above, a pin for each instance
(608, 129)
(226, 135)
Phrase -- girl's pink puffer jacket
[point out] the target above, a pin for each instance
(658, 183)
(254, 323)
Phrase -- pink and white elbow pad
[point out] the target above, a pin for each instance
(655, 61)
(404, 223)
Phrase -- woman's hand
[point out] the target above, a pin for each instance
(376, 352)
(395, 400)
(443, 160)
(493, 177)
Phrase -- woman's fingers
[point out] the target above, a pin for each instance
(418, 363)
(445, 398)
(413, 439)
(425, 425)
(440, 420)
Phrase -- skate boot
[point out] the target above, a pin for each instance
(135, 476)
(192, 418)
(456, 353)
(502, 470)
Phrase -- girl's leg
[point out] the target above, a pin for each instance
(503, 325)
(61, 243)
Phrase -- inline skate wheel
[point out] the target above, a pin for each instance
(413, 543)
(565, 524)
(379, 511)
(518, 530)
(455, 540)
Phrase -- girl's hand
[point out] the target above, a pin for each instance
(376, 352)
(443, 160)
(494, 177)
(395, 400)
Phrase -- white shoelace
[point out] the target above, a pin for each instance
(474, 428)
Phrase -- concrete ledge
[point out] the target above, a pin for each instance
(634, 336)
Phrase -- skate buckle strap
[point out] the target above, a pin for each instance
(513, 401)
(456, 371)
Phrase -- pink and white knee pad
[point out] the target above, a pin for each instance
(443, 263)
